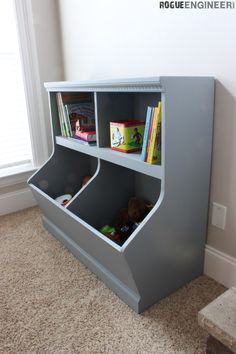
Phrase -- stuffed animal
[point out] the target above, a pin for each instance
(122, 218)
(136, 209)
(128, 219)
(85, 180)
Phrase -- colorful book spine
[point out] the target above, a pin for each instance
(149, 133)
(153, 135)
(81, 141)
(82, 112)
(87, 136)
(68, 120)
(146, 131)
(156, 159)
(60, 114)
(64, 118)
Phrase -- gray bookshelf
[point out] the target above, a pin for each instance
(167, 249)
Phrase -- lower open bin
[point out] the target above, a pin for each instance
(64, 173)
(105, 260)
(76, 224)
(110, 197)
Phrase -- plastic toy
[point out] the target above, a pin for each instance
(126, 220)
(63, 199)
(111, 233)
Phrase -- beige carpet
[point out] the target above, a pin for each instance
(51, 303)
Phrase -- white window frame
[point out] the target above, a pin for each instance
(33, 93)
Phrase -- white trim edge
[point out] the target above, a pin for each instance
(16, 177)
(220, 266)
(17, 200)
(31, 76)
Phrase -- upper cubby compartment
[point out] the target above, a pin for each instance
(73, 113)
(121, 106)
(110, 102)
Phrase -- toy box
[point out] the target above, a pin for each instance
(127, 136)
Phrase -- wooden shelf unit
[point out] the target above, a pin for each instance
(167, 249)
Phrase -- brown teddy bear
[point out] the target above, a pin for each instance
(136, 209)
(127, 219)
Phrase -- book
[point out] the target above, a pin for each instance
(68, 120)
(152, 135)
(87, 136)
(74, 108)
(81, 113)
(157, 146)
(146, 131)
(152, 155)
(64, 117)
(60, 114)
(82, 142)
(149, 133)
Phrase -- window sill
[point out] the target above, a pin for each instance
(15, 175)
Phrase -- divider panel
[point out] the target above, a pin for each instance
(110, 191)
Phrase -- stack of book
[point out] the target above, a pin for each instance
(77, 120)
(151, 149)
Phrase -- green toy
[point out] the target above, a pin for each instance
(107, 229)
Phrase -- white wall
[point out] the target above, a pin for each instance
(134, 38)
(48, 46)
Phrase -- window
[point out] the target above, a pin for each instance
(15, 143)
(23, 138)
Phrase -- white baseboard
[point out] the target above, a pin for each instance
(220, 266)
(17, 200)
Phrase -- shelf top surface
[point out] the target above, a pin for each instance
(142, 84)
(137, 84)
(131, 160)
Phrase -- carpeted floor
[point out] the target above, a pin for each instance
(51, 303)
